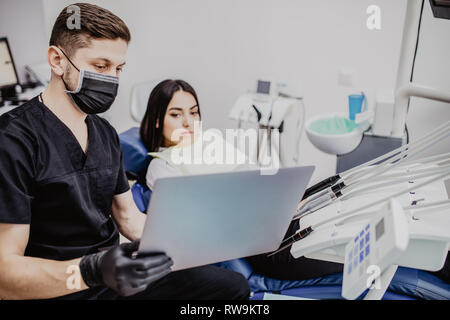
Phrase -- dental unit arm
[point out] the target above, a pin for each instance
(405, 88)
(401, 103)
(322, 218)
(428, 224)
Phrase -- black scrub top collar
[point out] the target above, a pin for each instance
(80, 160)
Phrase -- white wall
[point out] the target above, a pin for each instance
(222, 46)
(22, 22)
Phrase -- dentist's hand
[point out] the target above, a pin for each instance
(118, 270)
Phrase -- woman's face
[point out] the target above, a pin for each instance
(181, 114)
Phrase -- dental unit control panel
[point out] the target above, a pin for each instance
(374, 248)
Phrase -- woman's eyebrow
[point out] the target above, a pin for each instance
(175, 108)
(181, 109)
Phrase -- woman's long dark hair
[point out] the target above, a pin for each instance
(158, 101)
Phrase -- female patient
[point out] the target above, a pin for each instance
(173, 107)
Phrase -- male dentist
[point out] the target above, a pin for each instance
(64, 196)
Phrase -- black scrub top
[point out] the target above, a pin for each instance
(48, 182)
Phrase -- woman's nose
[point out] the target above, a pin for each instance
(188, 122)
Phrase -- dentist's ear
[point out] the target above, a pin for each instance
(157, 123)
(55, 61)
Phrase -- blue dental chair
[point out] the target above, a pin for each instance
(407, 284)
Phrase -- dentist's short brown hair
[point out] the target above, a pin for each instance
(95, 23)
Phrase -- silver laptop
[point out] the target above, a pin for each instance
(203, 219)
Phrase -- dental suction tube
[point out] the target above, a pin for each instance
(428, 138)
(429, 160)
(344, 217)
(354, 191)
(417, 209)
(350, 174)
(328, 190)
(326, 197)
(415, 187)
(410, 154)
(321, 186)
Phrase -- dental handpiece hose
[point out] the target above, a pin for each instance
(385, 167)
(323, 198)
(321, 186)
(319, 202)
(428, 160)
(352, 191)
(349, 174)
(409, 173)
(322, 201)
(397, 161)
(315, 205)
(398, 153)
(416, 208)
(301, 234)
(404, 191)
(295, 237)
(318, 189)
(336, 192)
(306, 202)
(399, 149)
(308, 230)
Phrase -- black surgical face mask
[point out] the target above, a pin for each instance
(95, 93)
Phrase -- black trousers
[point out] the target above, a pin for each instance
(283, 266)
(201, 283)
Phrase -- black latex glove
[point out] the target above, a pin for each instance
(118, 270)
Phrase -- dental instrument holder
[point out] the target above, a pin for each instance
(371, 254)
(269, 113)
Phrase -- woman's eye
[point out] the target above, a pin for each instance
(195, 113)
(176, 115)
(100, 67)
